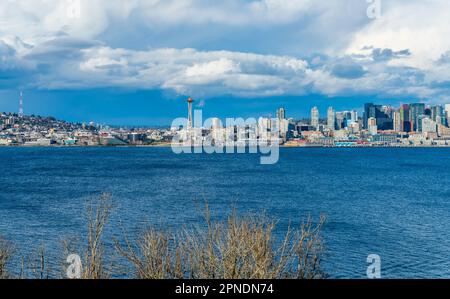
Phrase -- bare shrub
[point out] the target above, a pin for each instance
(98, 211)
(5, 256)
(239, 248)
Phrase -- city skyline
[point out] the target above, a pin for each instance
(266, 113)
(414, 124)
(129, 63)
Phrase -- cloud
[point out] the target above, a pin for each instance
(348, 69)
(253, 48)
(420, 26)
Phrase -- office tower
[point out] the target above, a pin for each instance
(416, 111)
(388, 110)
(369, 112)
(397, 123)
(281, 113)
(340, 117)
(331, 119)
(315, 118)
(354, 115)
(405, 118)
(384, 121)
(447, 113)
(372, 124)
(190, 118)
(438, 114)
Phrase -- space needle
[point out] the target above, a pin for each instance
(190, 122)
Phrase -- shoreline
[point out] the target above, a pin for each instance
(169, 146)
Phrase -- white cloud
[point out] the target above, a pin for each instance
(422, 27)
(43, 45)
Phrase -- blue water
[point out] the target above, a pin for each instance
(390, 202)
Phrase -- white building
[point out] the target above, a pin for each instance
(315, 117)
(331, 119)
(373, 128)
(428, 126)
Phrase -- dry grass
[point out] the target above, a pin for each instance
(240, 248)
(98, 211)
(5, 256)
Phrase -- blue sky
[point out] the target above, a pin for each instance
(133, 62)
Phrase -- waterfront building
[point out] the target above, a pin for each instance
(331, 119)
(373, 128)
(385, 138)
(315, 118)
(341, 134)
(443, 131)
(354, 127)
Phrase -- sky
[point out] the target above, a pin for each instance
(134, 62)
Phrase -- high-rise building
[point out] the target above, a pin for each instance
(384, 121)
(416, 111)
(447, 113)
(405, 118)
(397, 122)
(340, 117)
(315, 118)
(369, 111)
(438, 114)
(331, 119)
(372, 125)
(281, 113)
(354, 115)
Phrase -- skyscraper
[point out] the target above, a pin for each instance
(354, 115)
(405, 118)
(281, 113)
(380, 113)
(369, 111)
(315, 117)
(331, 119)
(340, 118)
(397, 123)
(416, 111)
(447, 113)
(438, 114)
(372, 125)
